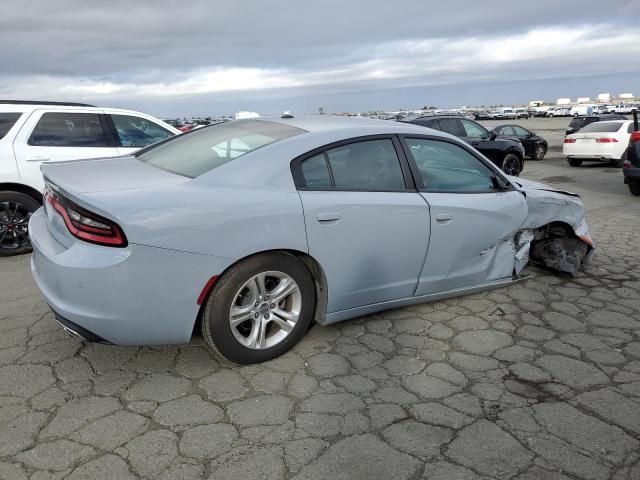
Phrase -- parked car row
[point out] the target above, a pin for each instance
(502, 114)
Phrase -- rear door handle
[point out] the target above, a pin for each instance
(444, 217)
(328, 217)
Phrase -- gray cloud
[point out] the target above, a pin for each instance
(123, 50)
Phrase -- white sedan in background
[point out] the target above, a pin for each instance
(600, 141)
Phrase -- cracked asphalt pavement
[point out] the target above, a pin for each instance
(536, 381)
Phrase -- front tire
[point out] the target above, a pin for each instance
(16, 209)
(575, 162)
(634, 188)
(539, 153)
(511, 165)
(260, 308)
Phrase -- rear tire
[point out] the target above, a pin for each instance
(574, 162)
(16, 209)
(265, 333)
(634, 188)
(511, 165)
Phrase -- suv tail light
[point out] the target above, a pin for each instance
(569, 140)
(83, 224)
(606, 140)
(635, 137)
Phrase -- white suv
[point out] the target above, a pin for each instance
(36, 132)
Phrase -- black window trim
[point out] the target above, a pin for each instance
(104, 123)
(416, 171)
(298, 177)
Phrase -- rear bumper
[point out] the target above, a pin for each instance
(136, 295)
(631, 175)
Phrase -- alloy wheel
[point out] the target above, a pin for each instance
(540, 152)
(511, 165)
(265, 310)
(14, 224)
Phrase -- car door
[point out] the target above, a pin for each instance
(133, 132)
(60, 135)
(475, 215)
(527, 139)
(366, 224)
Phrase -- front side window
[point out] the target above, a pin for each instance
(371, 165)
(137, 132)
(202, 150)
(7, 120)
(473, 130)
(446, 167)
(60, 129)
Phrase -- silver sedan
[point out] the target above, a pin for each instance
(260, 227)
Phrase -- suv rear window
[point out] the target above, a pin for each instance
(202, 150)
(7, 120)
(73, 129)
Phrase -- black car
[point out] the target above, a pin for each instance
(534, 145)
(508, 154)
(580, 122)
(631, 165)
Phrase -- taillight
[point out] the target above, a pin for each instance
(606, 140)
(83, 224)
(635, 137)
(569, 140)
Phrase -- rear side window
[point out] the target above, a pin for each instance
(7, 120)
(138, 132)
(370, 165)
(316, 172)
(602, 127)
(202, 150)
(452, 126)
(508, 131)
(59, 129)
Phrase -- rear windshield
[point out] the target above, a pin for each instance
(602, 127)
(202, 150)
(7, 120)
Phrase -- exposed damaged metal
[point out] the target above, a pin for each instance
(555, 234)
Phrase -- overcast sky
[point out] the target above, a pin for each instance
(199, 57)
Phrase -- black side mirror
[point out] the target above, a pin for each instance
(492, 135)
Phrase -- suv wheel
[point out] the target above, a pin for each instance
(511, 165)
(539, 153)
(634, 188)
(260, 308)
(574, 162)
(15, 211)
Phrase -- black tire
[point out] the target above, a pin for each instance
(634, 188)
(216, 328)
(15, 211)
(539, 152)
(512, 165)
(574, 162)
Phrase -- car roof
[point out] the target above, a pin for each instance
(29, 106)
(327, 123)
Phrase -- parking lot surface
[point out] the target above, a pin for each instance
(536, 381)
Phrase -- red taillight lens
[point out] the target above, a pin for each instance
(635, 137)
(569, 140)
(606, 140)
(83, 224)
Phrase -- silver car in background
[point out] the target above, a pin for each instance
(261, 226)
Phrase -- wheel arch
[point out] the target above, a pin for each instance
(314, 267)
(21, 188)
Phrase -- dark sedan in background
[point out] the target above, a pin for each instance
(506, 153)
(534, 145)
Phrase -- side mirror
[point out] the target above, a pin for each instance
(492, 135)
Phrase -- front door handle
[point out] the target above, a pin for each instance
(444, 217)
(328, 217)
(37, 158)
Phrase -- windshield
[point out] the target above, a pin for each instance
(202, 150)
(602, 127)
